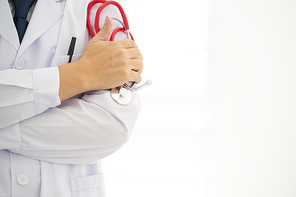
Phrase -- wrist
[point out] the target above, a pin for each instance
(73, 80)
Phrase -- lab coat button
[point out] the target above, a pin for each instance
(19, 64)
(22, 179)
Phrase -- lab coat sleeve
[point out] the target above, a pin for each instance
(76, 131)
(26, 93)
(79, 131)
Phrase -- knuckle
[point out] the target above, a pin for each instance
(114, 43)
(121, 53)
(131, 43)
(140, 78)
(125, 74)
(124, 64)
(138, 52)
(140, 55)
(128, 41)
(134, 44)
(140, 65)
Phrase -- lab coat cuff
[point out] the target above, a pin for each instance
(46, 82)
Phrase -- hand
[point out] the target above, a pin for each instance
(110, 64)
(103, 65)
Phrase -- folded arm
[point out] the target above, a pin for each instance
(78, 131)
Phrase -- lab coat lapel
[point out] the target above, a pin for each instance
(74, 25)
(45, 14)
(7, 27)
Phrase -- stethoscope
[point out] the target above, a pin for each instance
(121, 94)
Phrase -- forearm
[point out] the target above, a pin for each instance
(78, 131)
(71, 81)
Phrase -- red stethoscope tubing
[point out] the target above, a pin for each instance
(98, 15)
(97, 19)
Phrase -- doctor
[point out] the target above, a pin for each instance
(57, 119)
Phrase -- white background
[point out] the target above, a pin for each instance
(247, 50)
(255, 69)
(169, 153)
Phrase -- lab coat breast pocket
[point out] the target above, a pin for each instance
(89, 186)
(63, 59)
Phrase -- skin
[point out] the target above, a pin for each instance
(103, 65)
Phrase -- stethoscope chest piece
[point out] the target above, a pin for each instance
(122, 95)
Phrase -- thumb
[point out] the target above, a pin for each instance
(106, 31)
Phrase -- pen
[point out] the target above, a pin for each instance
(71, 48)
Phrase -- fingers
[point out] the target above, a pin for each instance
(134, 53)
(134, 59)
(136, 65)
(136, 71)
(136, 77)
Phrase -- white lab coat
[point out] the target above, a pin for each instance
(56, 145)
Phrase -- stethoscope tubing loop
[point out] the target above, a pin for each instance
(105, 4)
(88, 23)
(112, 37)
(98, 15)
